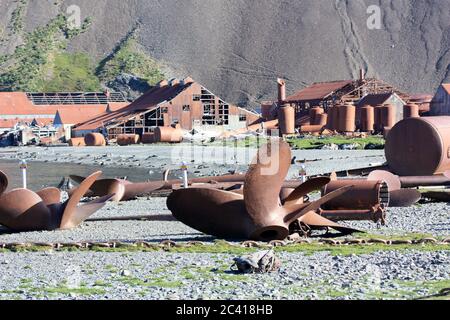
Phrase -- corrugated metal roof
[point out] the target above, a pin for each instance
(148, 101)
(319, 90)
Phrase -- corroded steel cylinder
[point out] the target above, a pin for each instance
(365, 195)
(95, 140)
(314, 115)
(266, 111)
(419, 146)
(322, 119)
(411, 111)
(330, 120)
(367, 119)
(77, 142)
(168, 135)
(388, 117)
(286, 118)
(336, 118)
(148, 137)
(378, 127)
(347, 118)
(127, 139)
(311, 129)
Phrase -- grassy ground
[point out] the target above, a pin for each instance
(309, 143)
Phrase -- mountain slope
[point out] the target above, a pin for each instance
(238, 47)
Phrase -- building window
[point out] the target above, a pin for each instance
(186, 108)
(242, 117)
(196, 97)
(164, 110)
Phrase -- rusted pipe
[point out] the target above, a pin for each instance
(411, 111)
(365, 194)
(375, 214)
(286, 118)
(281, 91)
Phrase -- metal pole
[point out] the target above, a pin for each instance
(23, 168)
(185, 175)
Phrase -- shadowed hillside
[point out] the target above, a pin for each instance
(238, 47)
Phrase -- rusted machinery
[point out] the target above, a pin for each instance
(95, 140)
(77, 142)
(256, 214)
(148, 137)
(411, 111)
(286, 118)
(128, 139)
(419, 146)
(124, 190)
(347, 118)
(388, 117)
(367, 200)
(168, 135)
(25, 210)
(367, 119)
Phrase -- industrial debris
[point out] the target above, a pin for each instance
(257, 214)
(258, 262)
(25, 210)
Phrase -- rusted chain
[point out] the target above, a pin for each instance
(169, 244)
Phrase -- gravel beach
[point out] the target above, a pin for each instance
(378, 274)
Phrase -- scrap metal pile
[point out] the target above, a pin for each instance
(261, 204)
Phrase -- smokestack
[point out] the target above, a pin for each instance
(281, 91)
(362, 74)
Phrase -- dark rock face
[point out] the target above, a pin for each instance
(238, 47)
(131, 87)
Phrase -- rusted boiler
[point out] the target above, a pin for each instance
(367, 119)
(286, 118)
(127, 139)
(95, 140)
(419, 146)
(411, 111)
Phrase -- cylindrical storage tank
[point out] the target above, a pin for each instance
(127, 139)
(168, 135)
(347, 115)
(148, 137)
(77, 142)
(410, 111)
(388, 117)
(336, 120)
(377, 116)
(314, 114)
(286, 118)
(311, 129)
(367, 119)
(330, 120)
(419, 146)
(266, 111)
(95, 140)
(364, 195)
(322, 119)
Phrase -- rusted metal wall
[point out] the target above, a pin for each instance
(440, 105)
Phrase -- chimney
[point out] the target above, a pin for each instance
(362, 74)
(281, 91)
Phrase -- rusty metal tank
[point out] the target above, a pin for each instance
(347, 118)
(314, 114)
(330, 120)
(77, 142)
(411, 110)
(336, 120)
(311, 129)
(168, 135)
(95, 140)
(322, 119)
(378, 126)
(286, 118)
(148, 137)
(419, 146)
(388, 117)
(367, 119)
(127, 139)
(364, 195)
